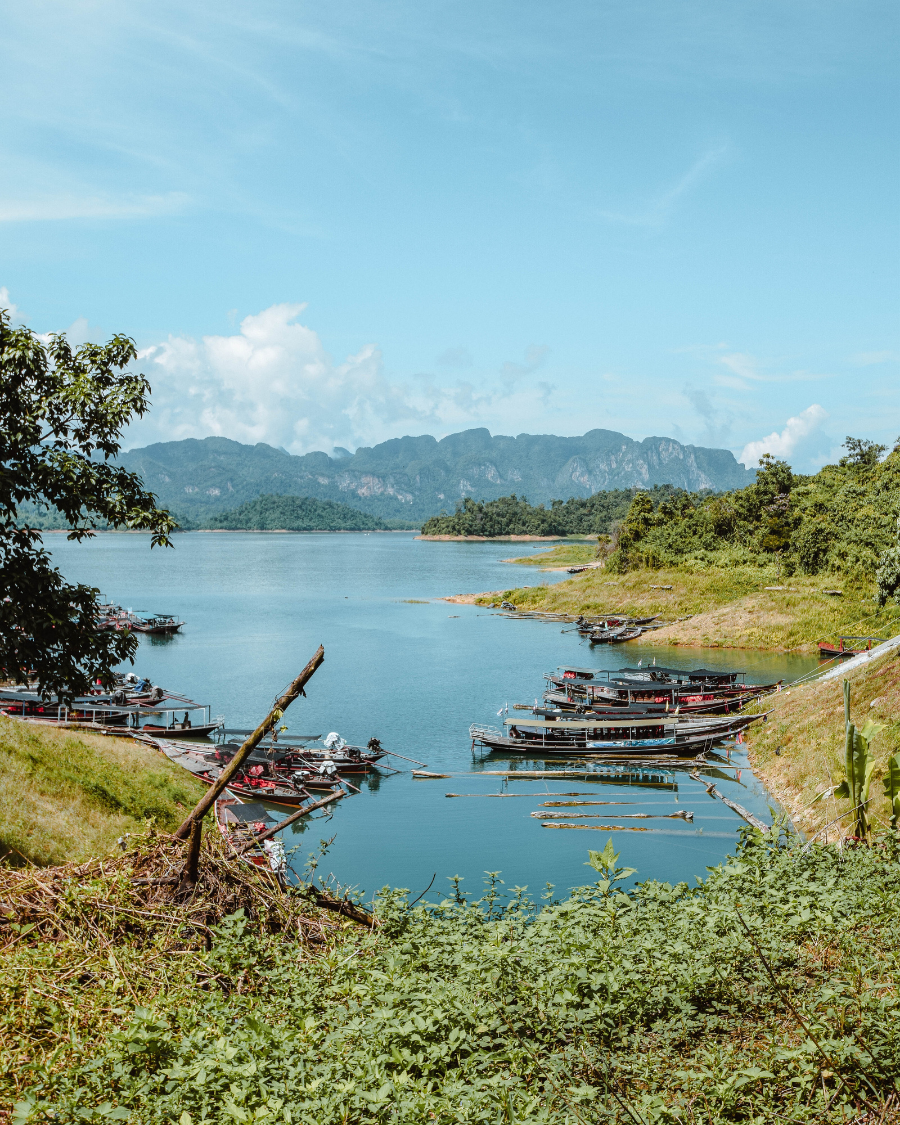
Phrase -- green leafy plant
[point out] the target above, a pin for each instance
(859, 765)
(892, 788)
(605, 862)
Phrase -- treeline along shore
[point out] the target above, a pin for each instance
(781, 564)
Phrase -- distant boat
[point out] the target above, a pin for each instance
(160, 623)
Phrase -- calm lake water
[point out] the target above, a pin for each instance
(415, 672)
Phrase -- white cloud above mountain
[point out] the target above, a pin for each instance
(785, 444)
(275, 382)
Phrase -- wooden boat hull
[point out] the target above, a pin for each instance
(202, 730)
(688, 747)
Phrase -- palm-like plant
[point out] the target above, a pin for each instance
(859, 763)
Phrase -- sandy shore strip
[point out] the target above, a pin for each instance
(493, 539)
(472, 599)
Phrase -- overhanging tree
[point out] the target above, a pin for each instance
(62, 413)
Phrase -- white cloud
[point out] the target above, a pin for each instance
(274, 382)
(867, 359)
(52, 208)
(784, 444)
(11, 307)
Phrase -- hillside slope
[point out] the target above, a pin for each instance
(799, 752)
(65, 795)
(416, 477)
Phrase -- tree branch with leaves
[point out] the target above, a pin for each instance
(62, 413)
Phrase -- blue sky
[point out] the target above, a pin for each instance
(332, 224)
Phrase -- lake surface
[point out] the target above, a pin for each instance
(415, 672)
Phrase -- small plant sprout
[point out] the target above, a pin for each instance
(605, 863)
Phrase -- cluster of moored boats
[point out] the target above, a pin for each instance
(613, 629)
(134, 704)
(114, 617)
(282, 769)
(653, 711)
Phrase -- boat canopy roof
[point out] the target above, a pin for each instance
(588, 724)
(251, 813)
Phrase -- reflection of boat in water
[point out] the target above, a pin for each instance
(629, 775)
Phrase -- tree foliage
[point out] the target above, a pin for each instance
(840, 520)
(299, 513)
(62, 413)
(513, 515)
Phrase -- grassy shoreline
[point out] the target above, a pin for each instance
(66, 795)
(724, 607)
(799, 752)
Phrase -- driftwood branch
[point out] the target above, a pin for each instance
(739, 809)
(233, 768)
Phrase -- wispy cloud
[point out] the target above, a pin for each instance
(54, 208)
(659, 208)
(868, 359)
(785, 443)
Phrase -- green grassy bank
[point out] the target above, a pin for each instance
(727, 606)
(799, 751)
(766, 993)
(65, 795)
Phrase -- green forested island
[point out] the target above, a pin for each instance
(513, 515)
(265, 513)
(297, 513)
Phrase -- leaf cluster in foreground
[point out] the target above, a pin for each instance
(766, 992)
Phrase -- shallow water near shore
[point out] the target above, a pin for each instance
(415, 672)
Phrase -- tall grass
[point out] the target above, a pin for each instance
(65, 795)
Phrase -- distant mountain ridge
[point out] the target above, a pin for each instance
(413, 478)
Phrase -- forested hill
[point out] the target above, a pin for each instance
(510, 515)
(843, 520)
(413, 478)
(298, 513)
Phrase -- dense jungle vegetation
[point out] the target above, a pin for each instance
(841, 520)
(765, 993)
(512, 515)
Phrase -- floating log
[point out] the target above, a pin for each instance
(601, 827)
(421, 775)
(623, 815)
(739, 809)
(553, 804)
(533, 795)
